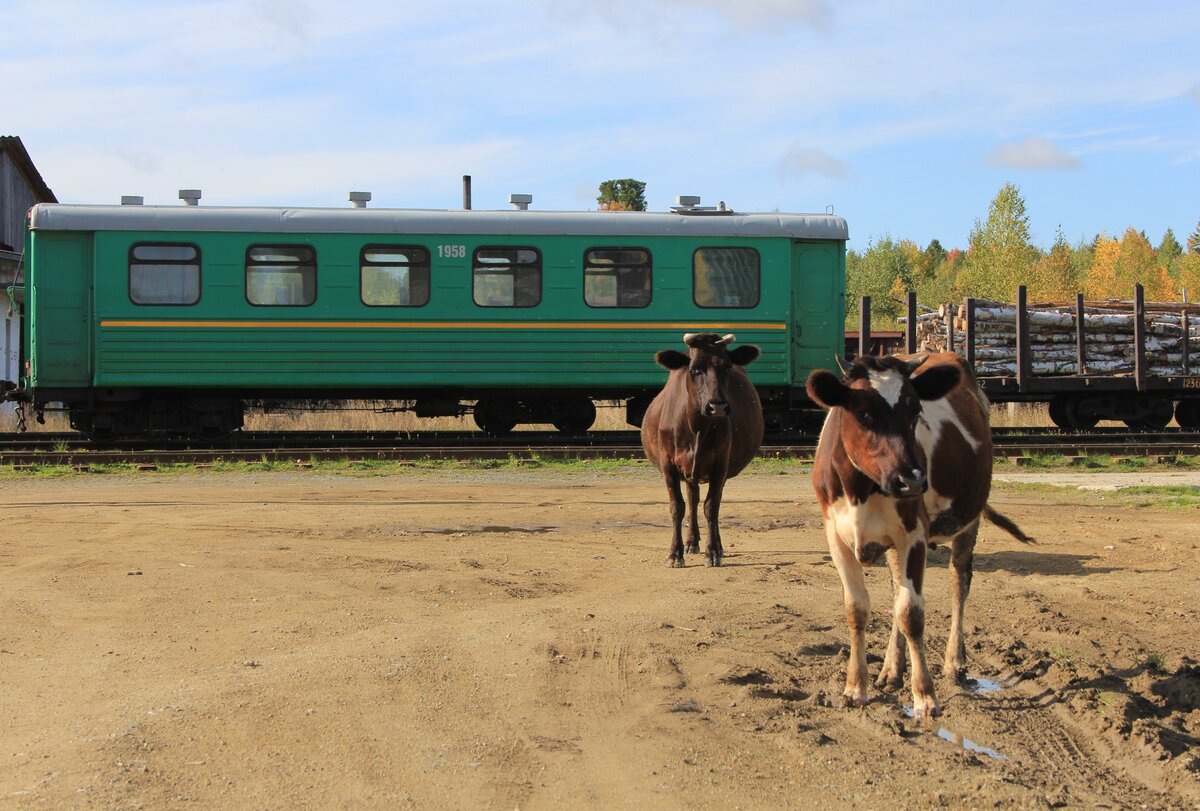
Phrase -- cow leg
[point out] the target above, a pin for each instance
(675, 496)
(909, 610)
(858, 611)
(693, 540)
(962, 556)
(712, 514)
(891, 676)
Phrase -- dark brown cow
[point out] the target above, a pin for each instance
(704, 426)
(904, 460)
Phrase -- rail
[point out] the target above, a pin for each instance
(305, 447)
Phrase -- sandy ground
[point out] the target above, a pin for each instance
(508, 639)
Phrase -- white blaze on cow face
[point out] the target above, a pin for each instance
(889, 384)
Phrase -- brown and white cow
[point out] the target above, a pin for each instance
(904, 461)
(704, 426)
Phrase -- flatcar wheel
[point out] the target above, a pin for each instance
(495, 417)
(1187, 413)
(575, 416)
(1076, 419)
(1058, 412)
(1157, 415)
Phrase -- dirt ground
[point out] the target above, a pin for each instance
(513, 639)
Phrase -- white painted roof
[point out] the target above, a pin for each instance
(60, 217)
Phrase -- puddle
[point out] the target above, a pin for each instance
(961, 741)
(968, 744)
(983, 686)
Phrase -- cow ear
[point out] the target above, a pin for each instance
(936, 382)
(744, 355)
(671, 359)
(826, 390)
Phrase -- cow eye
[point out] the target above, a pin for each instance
(697, 371)
(865, 418)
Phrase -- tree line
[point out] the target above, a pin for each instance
(999, 256)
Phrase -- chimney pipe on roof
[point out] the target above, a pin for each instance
(132, 200)
(359, 199)
(520, 201)
(190, 197)
(467, 192)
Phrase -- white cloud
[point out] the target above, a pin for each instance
(807, 160)
(1031, 154)
(765, 14)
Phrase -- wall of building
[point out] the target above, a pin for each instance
(16, 198)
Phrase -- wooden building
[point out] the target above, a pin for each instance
(20, 188)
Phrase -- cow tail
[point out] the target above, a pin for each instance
(1006, 524)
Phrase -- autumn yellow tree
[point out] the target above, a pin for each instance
(1101, 281)
(1187, 269)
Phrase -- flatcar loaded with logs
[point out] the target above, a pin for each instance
(1133, 361)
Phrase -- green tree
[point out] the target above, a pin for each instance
(625, 194)
(1169, 249)
(1193, 243)
(931, 258)
(885, 268)
(1000, 254)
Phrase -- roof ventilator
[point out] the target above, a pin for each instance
(190, 197)
(132, 200)
(359, 199)
(520, 201)
(690, 204)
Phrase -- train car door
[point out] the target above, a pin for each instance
(818, 306)
(59, 285)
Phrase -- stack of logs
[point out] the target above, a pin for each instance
(1108, 337)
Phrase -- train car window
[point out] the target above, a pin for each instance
(507, 277)
(164, 273)
(725, 277)
(281, 275)
(616, 277)
(394, 276)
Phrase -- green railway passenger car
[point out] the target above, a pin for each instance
(173, 318)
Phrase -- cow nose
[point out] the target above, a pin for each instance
(912, 483)
(716, 408)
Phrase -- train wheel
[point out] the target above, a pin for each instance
(575, 416)
(496, 417)
(1058, 412)
(1187, 413)
(1157, 415)
(1074, 415)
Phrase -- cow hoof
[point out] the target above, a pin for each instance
(675, 563)
(889, 684)
(693, 549)
(714, 561)
(854, 698)
(955, 672)
(926, 707)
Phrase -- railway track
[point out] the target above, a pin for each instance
(303, 447)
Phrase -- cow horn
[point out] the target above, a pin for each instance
(688, 336)
(845, 367)
(916, 362)
(728, 339)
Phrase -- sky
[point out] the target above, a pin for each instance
(906, 118)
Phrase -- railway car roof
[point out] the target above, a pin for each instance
(58, 217)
